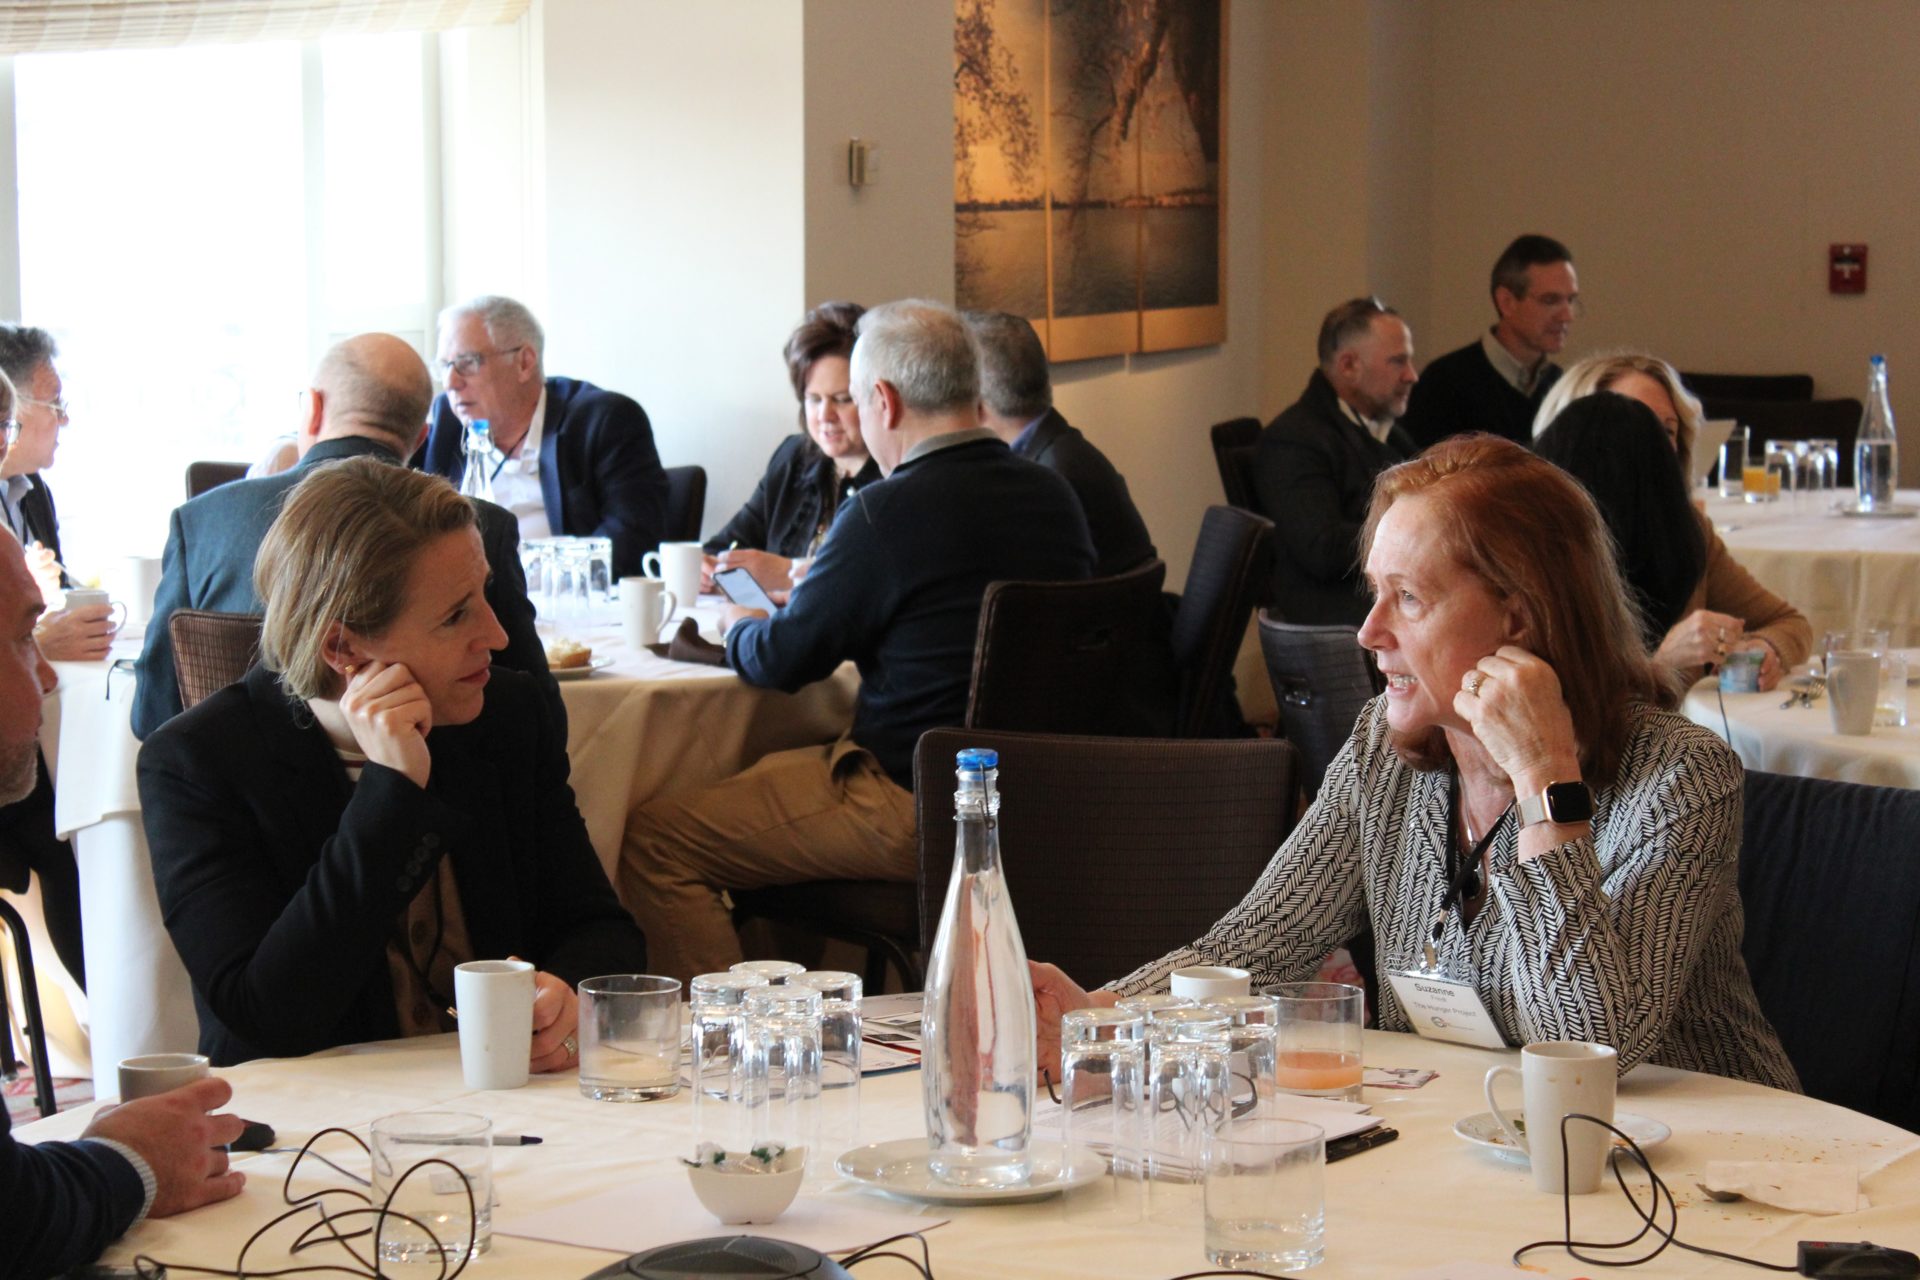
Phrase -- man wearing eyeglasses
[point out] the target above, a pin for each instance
(1314, 467)
(37, 405)
(1497, 383)
(565, 456)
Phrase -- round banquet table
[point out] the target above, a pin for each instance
(1426, 1199)
(1800, 741)
(638, 726)
(1839, 571)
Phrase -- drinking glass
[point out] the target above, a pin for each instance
(445, 1224)
(1319, 1039)
(839, 1061)
(1253, 1032)
(1779, 465)
(629, 1038)
(1829, 453)
(1891, 709)
(1187, 1094)
(778, 1083)
(1733, 463)
(600, 580)
(717, 1003)
(773, 972)
(1265, 1194)
(1148, 1005)
(1102, 1107)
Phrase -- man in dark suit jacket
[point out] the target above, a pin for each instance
(1496, 383)
(1314, 468)
(369, 396)
(563, 455)
(34, 398)
(66, 1201)
(1016, 397)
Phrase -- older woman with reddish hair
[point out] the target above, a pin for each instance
(1517, 798)
(775, 535)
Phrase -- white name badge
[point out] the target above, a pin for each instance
(1442, 1009)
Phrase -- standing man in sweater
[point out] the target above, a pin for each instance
(1497, 383)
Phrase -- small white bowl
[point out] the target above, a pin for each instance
(737, 1198)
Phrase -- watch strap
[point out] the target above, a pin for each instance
(1557, 802)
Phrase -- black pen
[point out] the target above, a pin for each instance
(516, 1140)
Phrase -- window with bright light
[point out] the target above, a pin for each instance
(196, 225)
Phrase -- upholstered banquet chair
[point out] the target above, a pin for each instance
(1230, 569)
(1830, 880)
(202, 476)
(1749, 386)
(686, 503)
(211, 650)
(1321, 679)
(1233, 444)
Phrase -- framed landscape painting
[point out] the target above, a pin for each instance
(1088, 181)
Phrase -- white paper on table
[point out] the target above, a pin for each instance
(1336, 1117)
(1785, 1184)
(663, 1209)
(1478, 1271)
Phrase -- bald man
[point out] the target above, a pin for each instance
(369, 397)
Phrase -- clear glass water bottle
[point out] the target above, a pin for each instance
(1876, 454)
(977, 1060)
(476, 478)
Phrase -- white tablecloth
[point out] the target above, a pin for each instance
(643, 726)
(1424, 1200)
(1800, 740)
(1839, 571)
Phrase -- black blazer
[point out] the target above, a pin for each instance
(1313, 474)
(43, 524)
(789, 503)
(280, 882)
(599, 471)
(1120, 538)
(211, 545)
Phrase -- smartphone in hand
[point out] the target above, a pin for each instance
(742, 588)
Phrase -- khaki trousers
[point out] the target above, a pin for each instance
(814, 813)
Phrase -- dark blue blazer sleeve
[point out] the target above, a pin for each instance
(64, 1202)
(156, 693)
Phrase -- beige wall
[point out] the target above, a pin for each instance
(674, 221)
(1698, 159)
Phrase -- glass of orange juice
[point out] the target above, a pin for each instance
(1317, 1048)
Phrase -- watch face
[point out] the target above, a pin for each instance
(1569, 802)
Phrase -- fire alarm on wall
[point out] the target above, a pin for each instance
(1846, 268)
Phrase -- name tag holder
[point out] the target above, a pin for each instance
(1442, 1008)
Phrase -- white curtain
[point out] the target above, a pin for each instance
(45, 26)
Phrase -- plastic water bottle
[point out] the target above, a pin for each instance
(1876, 454)
(476, 479)
(977, 1060)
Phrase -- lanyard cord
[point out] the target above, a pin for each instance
(1463, 873)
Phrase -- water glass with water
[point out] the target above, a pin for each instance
(436, 1169)
(1733, 464)
(778, 1082)
(1319, 1039)
(1188, 1092)
(1891, 709)
(1103, 1054)
(629, 1037)
(1265, 1194)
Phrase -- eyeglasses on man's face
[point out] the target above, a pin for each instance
(57, 405)
(468, 363)
(9, 432)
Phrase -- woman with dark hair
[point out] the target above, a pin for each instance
(1728, 607)
(1516, 800)
(774, 537)
(1619, 452)
(373, 803)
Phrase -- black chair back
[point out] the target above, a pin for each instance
(1231, 567)
(1796, 420)
(202, 476)
(1830, 880)
(1321, 680)
(1087, 657)
(1233, 444)
(1116, 850)
(1749, 386)
(686, 503)
(211, 650)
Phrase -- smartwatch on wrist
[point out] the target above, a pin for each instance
(1558, 802)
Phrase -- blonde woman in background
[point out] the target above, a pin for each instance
(1729, 608)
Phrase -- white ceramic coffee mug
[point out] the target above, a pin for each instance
(152, 1073)
(677, 564)
(89, 597)
(1210, 981)
(647, 604)
(495, 1000)
(1560, 1078)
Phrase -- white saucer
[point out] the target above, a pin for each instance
(1484, 1131)
(581, 673)
(899, 1168)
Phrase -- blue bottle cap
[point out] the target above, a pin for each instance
(977, 760)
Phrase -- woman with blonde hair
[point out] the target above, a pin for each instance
(374, 803)
(1728, 609)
